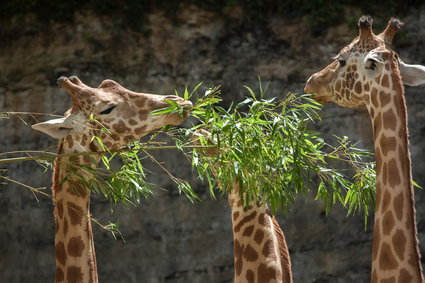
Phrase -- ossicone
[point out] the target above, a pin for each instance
(393, 26)
(365, 27)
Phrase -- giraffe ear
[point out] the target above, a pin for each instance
(412, 75)
(56, 128)
(373, 65)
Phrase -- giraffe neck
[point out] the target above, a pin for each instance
(74, 246)
(260, 250)
(395, 253)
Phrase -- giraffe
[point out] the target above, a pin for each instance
(260, 251)
(367, 72)
(259, 246)
(125, 116)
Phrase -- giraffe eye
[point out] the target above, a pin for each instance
(341, 62)
(108, 110)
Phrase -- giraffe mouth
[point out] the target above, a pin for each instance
(314, 95)
(320, 99)
(187, 107)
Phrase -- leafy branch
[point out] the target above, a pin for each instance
(268, 147)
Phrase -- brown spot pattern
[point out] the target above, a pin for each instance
(74, 274)
(140, 102)
(405, 276)
(404, 161)
(385, 173)
(143, 115)
(399, 243)
(250, 277)
(374, 97)
(385, 201)
(76, 246)
(248, 231)
(265, 274)
(60, 253)
(389, 119)
(377, 124)
(388, 223)
(399, 206)
(261, 219)
(338, 85)
(386, 144)
(77, 190)
(75, 213)
(387, 260)
(385, 81)
(259, 236)
(65, 227)
(140, 130)
(59, 275)
(86, 159)
(248, 208)
(121, 127)
(69, 141)
(92, 147)
(367, 87)
(358, 87)
(245, 220)
(387, 67)
(235, 215)
(388, 280)
(393, 173)
(385, 98)
(268, 250)
(250, 254)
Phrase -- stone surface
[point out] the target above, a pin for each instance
(168, 239)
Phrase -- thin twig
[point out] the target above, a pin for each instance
(53, 155)
(26, 186)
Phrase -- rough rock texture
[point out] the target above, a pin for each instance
(167, 238)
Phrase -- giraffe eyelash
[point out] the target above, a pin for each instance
(340, 60)
(108, 110)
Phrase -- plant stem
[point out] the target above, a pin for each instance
(51, 156)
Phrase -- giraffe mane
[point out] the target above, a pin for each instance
(283, 251)
(399, 88)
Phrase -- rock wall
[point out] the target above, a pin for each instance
(168, 239)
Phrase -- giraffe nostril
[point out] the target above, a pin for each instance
(61, 80)
(74, 79)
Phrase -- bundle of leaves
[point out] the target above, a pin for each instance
(269, 148)
(265, 145)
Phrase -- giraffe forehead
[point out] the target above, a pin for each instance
(366, 45)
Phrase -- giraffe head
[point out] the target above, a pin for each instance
(113, 113)
(361, 66)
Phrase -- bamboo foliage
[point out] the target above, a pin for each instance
(265, 144)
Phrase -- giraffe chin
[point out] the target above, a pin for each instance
(176, 119)
(321, 99)
(318, 98)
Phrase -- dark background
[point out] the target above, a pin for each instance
(155, 46)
